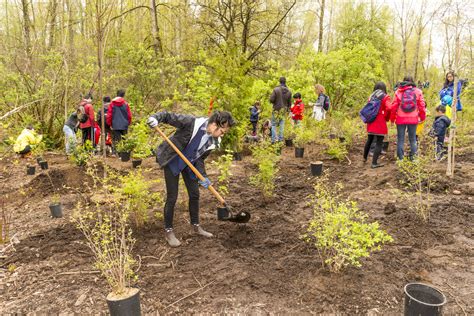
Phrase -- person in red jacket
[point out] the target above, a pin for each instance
(408, 109)
(297, 109)
(119, 118)
(377, 129)
(86, 119)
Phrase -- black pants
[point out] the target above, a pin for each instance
(172, 184)
(88, 134)
(378, 147)
(25, 151)
(116, 137)
(254, 128)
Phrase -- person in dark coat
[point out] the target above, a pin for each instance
(119, 118)
(281, 100)
(377, 129)
(254, 116)
(438, 131)
(195, 137)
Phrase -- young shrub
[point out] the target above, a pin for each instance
(265, 156)
(135, 192)
(139, 134)
(417, 178)
(302, 136)
(336, 149)
(223, 164)
(127, 144)
(339, 230)
(82, 154)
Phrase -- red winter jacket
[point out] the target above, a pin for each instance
(89, 110)
(119, 116)
(297, 110)
(379, 125)
(400, 117)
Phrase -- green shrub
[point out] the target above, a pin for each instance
(140, 136)
(82, 154)
(336, 149)
(265, 156)
(339, 230)
(223, 164)
(302, 136)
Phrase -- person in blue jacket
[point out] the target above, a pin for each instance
(254, 117)
(438, 131)
(448, 89)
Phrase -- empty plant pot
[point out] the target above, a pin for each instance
(136, 163)
(44, 165)
(423, 300)
(125, 306)
(317, 168)
(30, 170)
(289, 142)
(56, 210)
(299, 152)
(124, 156)
(237, 156)
(222, 213)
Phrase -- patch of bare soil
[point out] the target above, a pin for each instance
(262, 266)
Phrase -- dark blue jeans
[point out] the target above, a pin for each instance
(401, 139)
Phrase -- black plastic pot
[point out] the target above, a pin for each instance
(423, 300)
(289, 142)
(129, 306)
(237, 156)
(39, 159)
(342, 139)
(332, 136)
(44, 165)
(30, 170)
(385, 146)
(56, 210)
(136, 163)
(222, 213)
(124, 156)
(299, 152)
(317, 168)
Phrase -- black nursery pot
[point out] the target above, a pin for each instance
(289, 142)
(136, 163)
(423, 300)
(385, 146)
(317, 168)
(44, 165)
(299, 152)
(124, 156)
(237, 156)
(30, 170)
(129, 306)
(56, 210)
(222, 213)
(39, 159)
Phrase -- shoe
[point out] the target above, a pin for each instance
(376, 165)
(200, 231)
(171, 238)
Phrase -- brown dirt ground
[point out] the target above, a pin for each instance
(259, 267)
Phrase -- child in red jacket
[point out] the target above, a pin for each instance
(297, 109)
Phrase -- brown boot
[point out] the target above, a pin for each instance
(200, 231)
(171, 238)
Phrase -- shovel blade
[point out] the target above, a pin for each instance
(240, 217)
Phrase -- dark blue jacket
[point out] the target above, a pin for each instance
(119, 116)
(254, 114)
(449, 90)
(440, 125)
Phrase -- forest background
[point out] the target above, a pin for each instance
(179, 54)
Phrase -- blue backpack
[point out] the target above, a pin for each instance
(370, 111)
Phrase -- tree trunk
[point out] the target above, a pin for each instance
(417, 53)
(26, 28)
(53, 5)
(155, 30)
(70, 30)
(321, 26)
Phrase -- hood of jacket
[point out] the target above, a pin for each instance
(118, 101)
(445, 119)
(405, 85)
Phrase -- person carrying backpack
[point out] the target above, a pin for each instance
(119, 118)
(408, 109)
(375, 114)
(322, 103)
(86, 119)
(448, 89)
(70, 129)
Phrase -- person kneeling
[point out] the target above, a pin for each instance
(195, 137)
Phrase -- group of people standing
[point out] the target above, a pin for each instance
(283, 107)
(118, 118)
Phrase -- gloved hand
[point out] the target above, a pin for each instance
(205, 183)
(152, 122)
